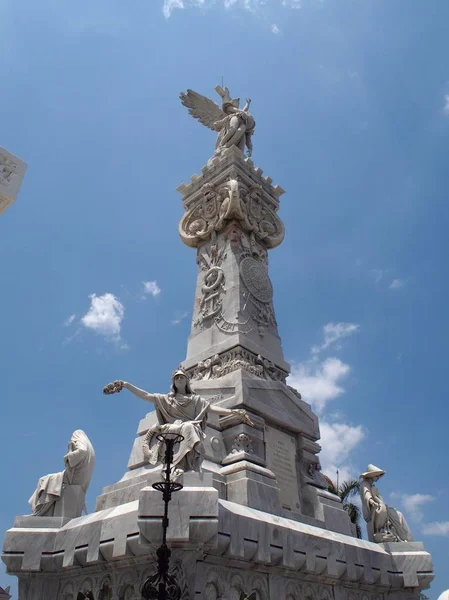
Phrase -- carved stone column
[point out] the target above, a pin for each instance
(231, 219)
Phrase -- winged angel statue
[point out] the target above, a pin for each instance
(235, 126)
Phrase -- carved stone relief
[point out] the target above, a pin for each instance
(312, 473)
(7, 170)
(231, 201)
(242, 443)
(212, 288)
(105, 592)
(237, 358)
(256, 279)
(299, 590)
(234, 584)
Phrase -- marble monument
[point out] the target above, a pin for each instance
(255, 518)
(12, 172)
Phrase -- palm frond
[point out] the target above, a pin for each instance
(353, 511)
(348, 489)
(354, 516)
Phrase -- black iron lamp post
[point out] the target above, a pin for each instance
(162, 585)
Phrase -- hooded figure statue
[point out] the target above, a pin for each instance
(79, 465)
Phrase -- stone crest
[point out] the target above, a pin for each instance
(217, 205)
(256, 279)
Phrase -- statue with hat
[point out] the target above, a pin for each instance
(235, 125)
(183, 412)
(385, 524)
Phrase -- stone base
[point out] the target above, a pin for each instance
(219, 547)
(71, 502)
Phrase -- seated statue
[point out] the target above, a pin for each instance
(386, 523)
(179, 412)
(79, 465)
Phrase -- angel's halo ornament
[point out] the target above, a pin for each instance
(235, 126)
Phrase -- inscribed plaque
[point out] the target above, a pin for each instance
(281, 459)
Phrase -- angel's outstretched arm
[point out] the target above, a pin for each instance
(140, 393)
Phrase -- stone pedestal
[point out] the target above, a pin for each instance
(71, 503)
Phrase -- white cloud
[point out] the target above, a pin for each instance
(170, 5)
(179, 317)
(292, 3)
(377, 274)
(446, 104)
(397, 284)
(436, 528)
(319, 382)
(69, 320)
(151, 288)
(334, 332)
(338, 440)
(252, 6)
(275, 29)
(413, 504)
(105, 315)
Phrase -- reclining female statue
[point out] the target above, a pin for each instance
(181, 411)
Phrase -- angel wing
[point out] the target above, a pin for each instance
(202, 108)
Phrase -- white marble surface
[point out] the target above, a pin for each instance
(12, 172)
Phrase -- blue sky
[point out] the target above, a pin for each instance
(351, 99)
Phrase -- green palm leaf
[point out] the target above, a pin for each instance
(346, 490)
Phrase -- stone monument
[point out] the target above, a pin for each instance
(12, 171)
(254, 519)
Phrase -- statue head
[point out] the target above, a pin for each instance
(372, 473)
(233, 103)
(227, 101)
(181, 376)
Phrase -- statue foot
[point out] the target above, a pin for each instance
(177, 474)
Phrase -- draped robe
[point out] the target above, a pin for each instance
(79, 465)
(186, 415)
(385, 520)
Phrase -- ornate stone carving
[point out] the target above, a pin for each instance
(237, 358)
(204, 369)
(215, 206)
(314, 475)
(242, 443)
(105, 592)
(262, 314)
(232, 326)
(235, 126)
(264, 223)
(8, 169)
(256, 279)
(213, 286)
(210, 302)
